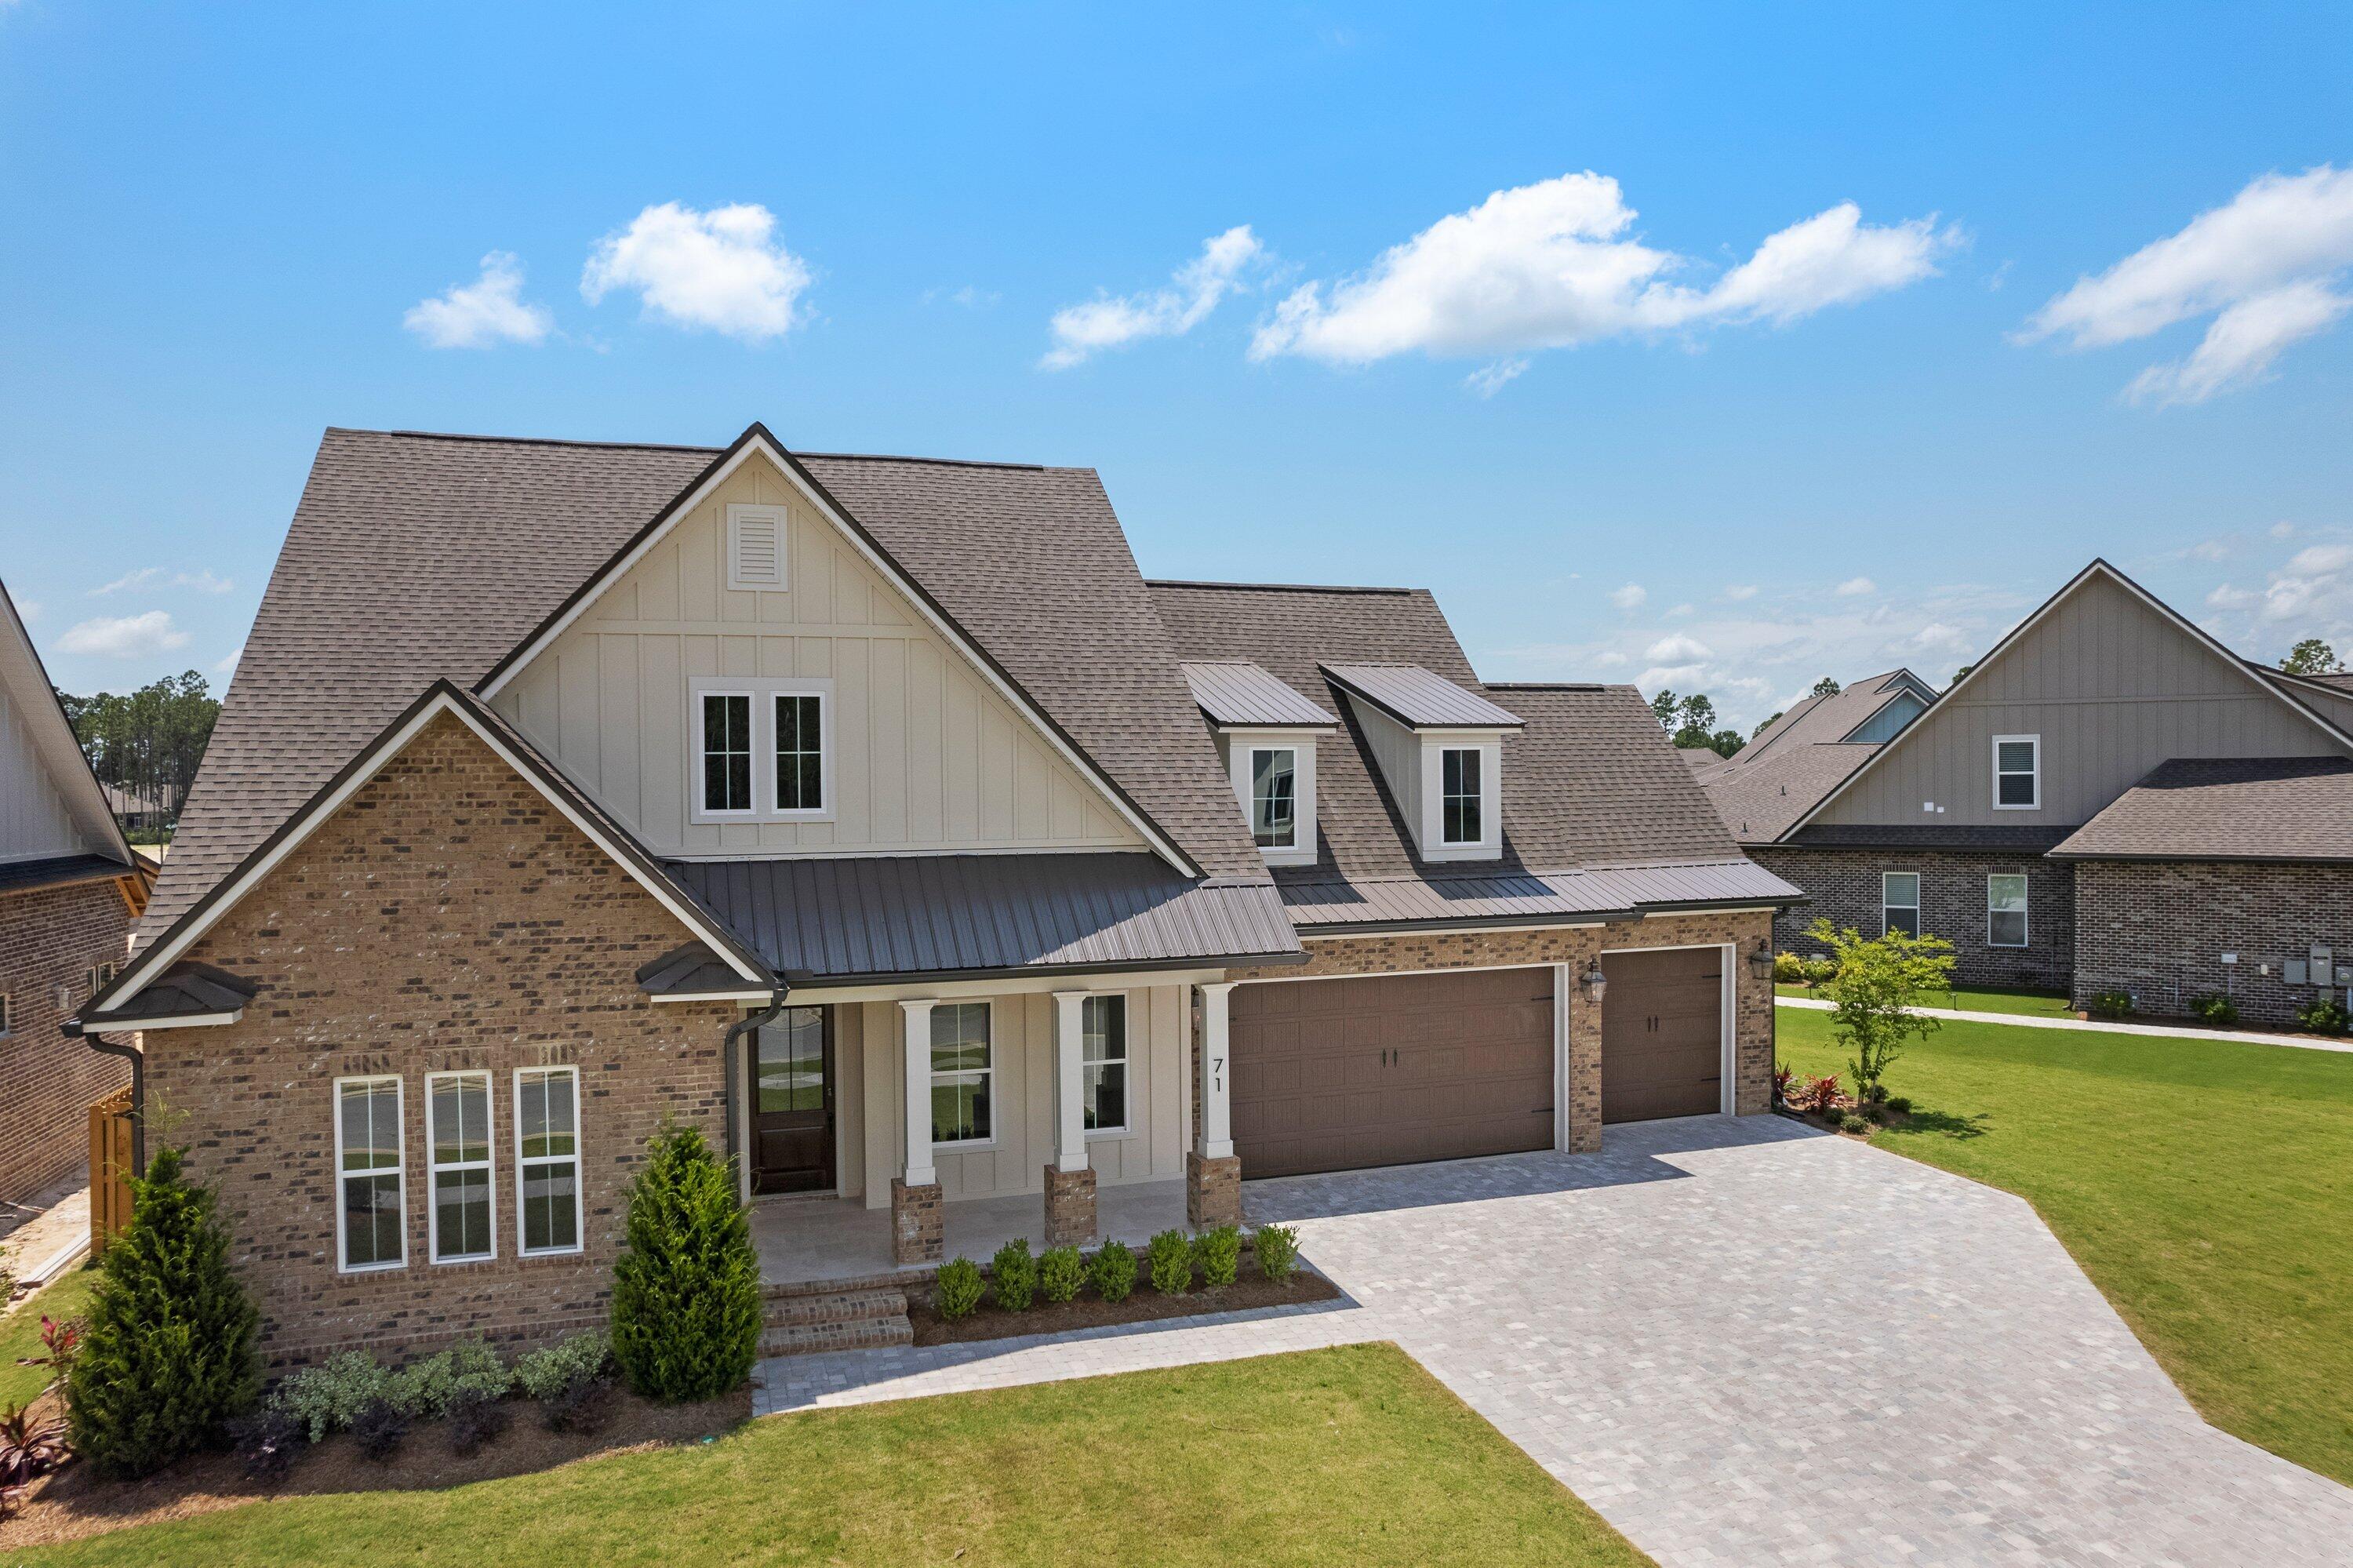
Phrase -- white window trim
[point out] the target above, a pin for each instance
(738, 514)
(2025, 912)
(1126, 1128)
(100, 975)
(487, 1165)
(399, 1169)
(2033, 805)
(1479, 765)
(7, 1015)
(1241, 745)
(1250, 771)
(931, 1079)
(1433, 840)
(764, 691)
(1919, 897)
(579, 1167)
(699, 809)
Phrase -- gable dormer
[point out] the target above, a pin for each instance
(1439, 748)
(1266, 736)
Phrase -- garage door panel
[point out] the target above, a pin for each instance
(1661, 1035)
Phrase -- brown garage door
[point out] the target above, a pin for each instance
(1661, 1034)
(1387, 1070)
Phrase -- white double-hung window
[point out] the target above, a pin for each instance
(371, 1231)
(547, 1159)
(1899, 902)
(1102, 1051)
(964, 1074)
(2006, 910)
(458, 1154)
(2017, 772)
(1460, 800)
(723, 741)
(1274, 797)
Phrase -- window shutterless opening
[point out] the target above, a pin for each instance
(547, 1159)
(1103, 1049)
(371, 1196)
(1899, 902)
(2006, 910)
(1460, 803)
(2017, 772)
(464, 1223)
(1274, 797)
(964, 1076)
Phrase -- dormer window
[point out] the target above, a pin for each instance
(1459, 800)
(762, 749)
(1274, 797)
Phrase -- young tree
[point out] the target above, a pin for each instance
(1665, 706)
(2312, 657)
(168, 1359)
(686, 1294)
(1877, 983)
(1826, 687)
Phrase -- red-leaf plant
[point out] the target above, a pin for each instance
(30, 1447)
(1821, 1096)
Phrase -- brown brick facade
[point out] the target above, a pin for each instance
(1844, 885)
(446, 917)
(1578, 947)
(918, 1223)
(49, 937)
(1213, 1191)
(2159, 929)
(1069, 1206)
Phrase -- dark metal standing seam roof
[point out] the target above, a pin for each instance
(1235, 692)
(1467, 899)
(868, 916)
(1420, 698)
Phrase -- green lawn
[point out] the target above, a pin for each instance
(1353, 1456)
(2206, 1187)
(21, 1333)
(1977, 998)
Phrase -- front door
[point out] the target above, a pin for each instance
(792, 1102)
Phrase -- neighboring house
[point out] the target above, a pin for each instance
(69, 889)
(874, 816)
(2109, 799)
(134, 812)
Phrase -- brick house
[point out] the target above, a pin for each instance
(876, 816)
(2109, 799)
(69, 889)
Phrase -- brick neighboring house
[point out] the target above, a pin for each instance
(2109, 799)
(69, 889)
(875, 816)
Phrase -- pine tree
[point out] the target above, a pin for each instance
(686, 1295)
(169, 1355)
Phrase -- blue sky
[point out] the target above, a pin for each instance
(1700, 373)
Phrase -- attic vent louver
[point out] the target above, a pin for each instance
(755, 547)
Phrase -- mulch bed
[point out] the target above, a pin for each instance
(75, 1502)
(1144, 1306)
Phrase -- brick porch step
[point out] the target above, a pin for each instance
(835, 1319)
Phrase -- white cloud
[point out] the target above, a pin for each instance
(2283, 530)
(1938, 637)
(2267, 265)
(487, 312)
(226, 664)
(721, 270)
(2226, 596)
(137, 577)
(1553, 265)
(125, 637)
(1194, 292)
(1855, 588)
(2311, 594)
(1490, 379)
(1739, 592)
(1629, 597)
(202, 580)
(968, 297)
(2217, 549)
(1658, 675)
(1677, 649)
(28, 611)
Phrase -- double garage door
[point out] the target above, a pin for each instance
(1336, 1074)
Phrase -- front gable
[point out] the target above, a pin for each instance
(925, 752)
(50, 804)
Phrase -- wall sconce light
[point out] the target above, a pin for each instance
(1760, 958)
(1595, 984)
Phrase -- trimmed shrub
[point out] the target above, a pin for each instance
(168, 1360)
(544, 1373)
(1277, 1247)
(584, 1404)
(2214, 1008)
(1219, 1254)
(1788, 969)
(1819, 971)
(1061, 1272)
(1013, 1276)
(686, 1293)
(1851, 1122)
(2324, 1015)
(1899, 1105)
(269, 1441)
(2110, 1004)
(1169, 1257)
(330, 1396)
(1113, 1272)
(380, 1429)
(958, 1292)
(425, 1387)
(476, 1419)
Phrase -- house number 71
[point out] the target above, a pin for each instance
(1218, 1073)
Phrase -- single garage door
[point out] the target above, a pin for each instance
(1336, 1074)
(1662, 1033)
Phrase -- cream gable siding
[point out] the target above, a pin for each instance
(35, 823)
(927, 758)
(2112, 686)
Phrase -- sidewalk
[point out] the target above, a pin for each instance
(46, 1238)
(2099, 1026)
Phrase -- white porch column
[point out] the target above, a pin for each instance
(1069, 1055)
(917, 1016)
(1217, 1141)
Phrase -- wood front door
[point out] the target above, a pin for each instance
(792, 1102)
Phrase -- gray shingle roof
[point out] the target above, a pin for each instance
(2264, 808)
(1797, 760)
(1235, 692)
(1821, 720)
(1418, 699)
(413, 557)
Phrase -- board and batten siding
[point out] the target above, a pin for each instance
(35, 823)
(2113, 688)
(928, 757)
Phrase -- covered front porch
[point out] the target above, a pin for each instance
(807, 1239)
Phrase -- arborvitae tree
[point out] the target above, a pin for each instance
(686, 1295)
(169, 1356)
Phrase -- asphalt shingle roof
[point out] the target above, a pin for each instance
(2241, 808)
(1797, 760)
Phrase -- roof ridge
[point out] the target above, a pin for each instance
(1549, 686)
(690, 446)
(1275, 588)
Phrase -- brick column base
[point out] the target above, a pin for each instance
(918, 1231)
(1213, 1191)
(1069, 1207)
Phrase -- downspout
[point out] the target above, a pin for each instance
(138, 1059)
(743, 1025)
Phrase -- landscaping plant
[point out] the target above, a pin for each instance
(2216, 1009)
(2110, 1004)
(426, 1387)
(269, 1440)
(330, 1396)
(1821, 1096)
(1114, 1272)
(1875, 985)
(60, 1343)
(1013, 1276)
(542, 1374)
(168, 1360)
(1277, 1247)
(1219, 1254)
(958, 1292)
(1788, 969)
(1061, 1272)
(379, 1430)
(1169, 1257)
(476, 1418)
(30, 1447)
(2324, 1015)
(686, 1291)
(1851, 1122)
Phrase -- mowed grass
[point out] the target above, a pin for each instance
(21, 1333)
(2206, 1187)
(1976, 999)
(1353, 1456)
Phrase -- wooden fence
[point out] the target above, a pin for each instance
(110, 1167)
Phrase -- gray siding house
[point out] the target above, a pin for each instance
(2109, 799)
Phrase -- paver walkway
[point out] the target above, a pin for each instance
(1744, 1342)
(2103, 1027)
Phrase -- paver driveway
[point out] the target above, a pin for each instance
(1744, 1342)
